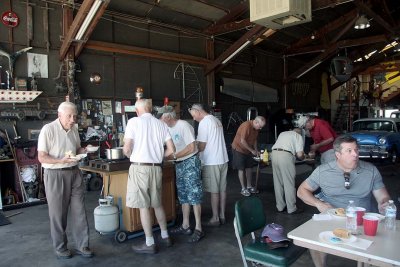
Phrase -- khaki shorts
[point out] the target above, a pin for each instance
(144, 187)
(214, 178)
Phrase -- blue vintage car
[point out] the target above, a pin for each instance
(378, 138)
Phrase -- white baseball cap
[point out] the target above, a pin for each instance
(301, 122)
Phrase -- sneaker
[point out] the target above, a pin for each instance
(253, 190)
(281, 211)
(65, 254)
(85, 252)
(245, 192)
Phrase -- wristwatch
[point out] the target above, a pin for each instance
(174, 156)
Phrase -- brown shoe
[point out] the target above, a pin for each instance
(65, 254)
(85, 252)
(166, 242)
(145, 249)
(297, 211)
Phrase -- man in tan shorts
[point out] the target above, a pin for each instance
(214, 158)
(145, 137)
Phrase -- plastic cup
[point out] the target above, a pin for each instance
(360, 213)
(370, 225)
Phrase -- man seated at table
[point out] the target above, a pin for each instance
(362, 181)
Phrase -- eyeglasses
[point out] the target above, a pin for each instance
(190, 109)
(346, 180)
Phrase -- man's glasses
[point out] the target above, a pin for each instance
(346, 180)
(190, 109)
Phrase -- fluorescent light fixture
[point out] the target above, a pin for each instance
(367, 56)
(237, 51)
(397, 48)
(88, 19)
(361, 23)
(307, 70)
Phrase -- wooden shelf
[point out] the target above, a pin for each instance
(6, 160)
(14, 96)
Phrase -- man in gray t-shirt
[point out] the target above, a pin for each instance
(342, 180)
(364, 179)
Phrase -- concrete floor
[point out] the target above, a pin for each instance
(26, 241)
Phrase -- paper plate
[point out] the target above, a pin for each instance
(79, 156)
(90, 149)
(380, 216)
(329, 237)
(334, 215)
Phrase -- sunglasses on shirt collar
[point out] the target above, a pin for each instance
(346, 180)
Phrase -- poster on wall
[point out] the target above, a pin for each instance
(107, 107)
(37, 65)
(118, 107)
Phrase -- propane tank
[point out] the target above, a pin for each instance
(106, 218)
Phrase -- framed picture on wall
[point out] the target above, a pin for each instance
(37, 65)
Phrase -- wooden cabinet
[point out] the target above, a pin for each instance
(168, 195)
(115, 184)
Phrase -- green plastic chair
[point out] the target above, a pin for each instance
(250, 217)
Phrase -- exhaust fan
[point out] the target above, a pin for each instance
(278, 14)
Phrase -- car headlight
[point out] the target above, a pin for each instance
(382, 141)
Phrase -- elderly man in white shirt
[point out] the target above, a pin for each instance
(145, 137)
(214, 158)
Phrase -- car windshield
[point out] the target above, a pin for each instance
(373, 126)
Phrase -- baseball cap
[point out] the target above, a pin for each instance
(301, 122)
(275, 232)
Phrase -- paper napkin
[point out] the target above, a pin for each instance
(360, 243)
(322, 217)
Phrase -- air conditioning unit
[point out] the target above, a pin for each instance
(278, 14)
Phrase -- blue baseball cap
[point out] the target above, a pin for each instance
(275, 232)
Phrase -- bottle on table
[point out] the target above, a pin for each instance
(261, 154)
(390, 216)
(351, 217)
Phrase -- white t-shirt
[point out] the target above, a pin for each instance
(149, 136)
(55, 141)
(211, 132)
(182, 135)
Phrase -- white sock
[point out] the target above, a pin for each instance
(149, 241)
(164, 234)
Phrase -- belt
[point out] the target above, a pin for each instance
(179, 161)
(66, 168)
(145, 164)
(284, 150)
